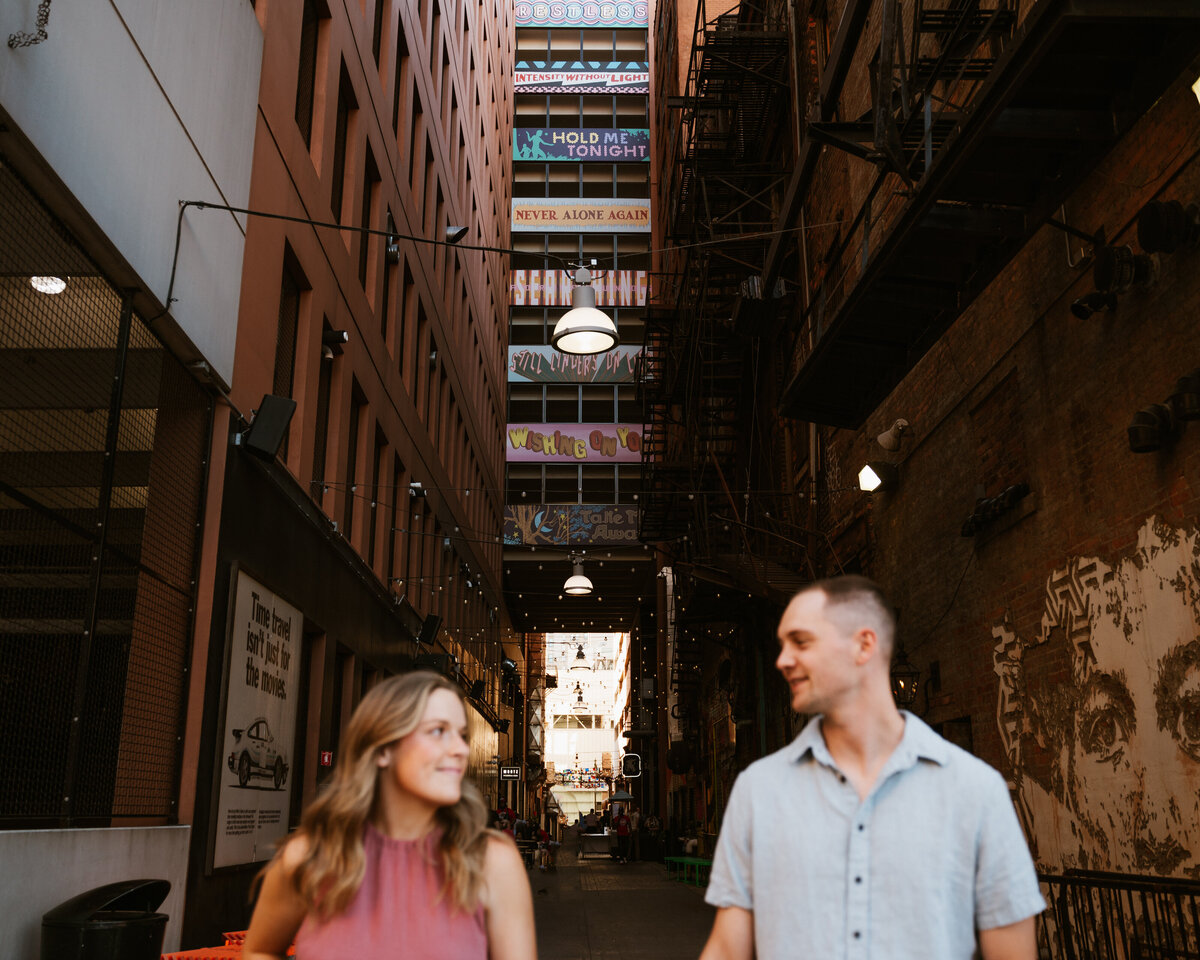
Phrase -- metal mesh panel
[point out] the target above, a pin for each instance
(102, 440)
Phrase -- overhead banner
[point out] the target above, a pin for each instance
(547, 144)
(258, 753)
(574, 442)
(537, 524)
(552, 288)
(580, 76)
(569, 215)
(571, 14)
(547, 365)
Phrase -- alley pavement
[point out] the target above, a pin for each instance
(597, 909)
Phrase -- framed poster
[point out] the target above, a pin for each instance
(257, 731)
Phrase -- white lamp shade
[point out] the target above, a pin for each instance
(583, 329)
(868, 479)
(577, 584)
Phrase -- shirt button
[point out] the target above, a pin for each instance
(858, 879)
(857, 934)
(862, 827)
(842, 777)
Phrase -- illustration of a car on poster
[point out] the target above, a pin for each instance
(254, 755)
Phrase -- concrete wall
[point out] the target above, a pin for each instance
(42, 868)
(135, 105)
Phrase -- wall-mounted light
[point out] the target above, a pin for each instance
(332, 342)
(1153, 428)
(1119, 268)
(49, 285)
(455, 233)
(904, 677)
(1185, 398)
(1092, 303)
(1164, 226)
(433, 359)
(415, 489)
(890, 438)
(583, 329)
(878, 475)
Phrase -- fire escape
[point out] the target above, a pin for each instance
(981, 125)
(698, 385)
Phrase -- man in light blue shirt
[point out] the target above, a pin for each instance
(869, 837)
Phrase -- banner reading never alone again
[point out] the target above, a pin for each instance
(569, 215)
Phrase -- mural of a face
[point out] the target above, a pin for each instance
(1100, 713)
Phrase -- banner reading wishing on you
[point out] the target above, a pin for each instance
(259, 725)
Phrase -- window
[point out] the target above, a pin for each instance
(306, 81)
(598, 485)
(524, 403)
(345, 104)
(597, 405)
(376, 484)
(562, 484)
(356, 405)
(629, 483)
(524, 483)
(366, 242)
(377, 31)
(401, 74)
(290, 287)
(562, 404)
(321, 434)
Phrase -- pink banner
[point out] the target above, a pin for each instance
(574, 443)
(552, 288)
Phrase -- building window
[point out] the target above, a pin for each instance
(356, 404)
(562, 484)
(290, 287)
(306, 81)
(377, 31)
(401, 74)
(345, 104)
(370, 187)
(321, 433)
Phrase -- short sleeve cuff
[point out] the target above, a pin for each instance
(1013, 912)
(719, 897)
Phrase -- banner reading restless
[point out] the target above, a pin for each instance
(574, 442)
(581, 143)
(260, 725)
(568, 215)
(552, 288)
(574, 13)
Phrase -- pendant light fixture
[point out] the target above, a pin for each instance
(584, 330)
(577, 584)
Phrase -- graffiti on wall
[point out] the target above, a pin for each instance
(1099, 712)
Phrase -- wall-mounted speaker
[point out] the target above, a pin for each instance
(429, 630)
(266, 433)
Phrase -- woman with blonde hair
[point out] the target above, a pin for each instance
(393, 859)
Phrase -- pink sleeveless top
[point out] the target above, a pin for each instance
(399, 912)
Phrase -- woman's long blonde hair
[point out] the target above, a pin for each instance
(332, 870)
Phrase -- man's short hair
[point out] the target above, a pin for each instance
(853, 602)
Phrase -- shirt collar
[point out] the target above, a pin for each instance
(918, 742)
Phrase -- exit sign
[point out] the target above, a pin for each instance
(510, 773)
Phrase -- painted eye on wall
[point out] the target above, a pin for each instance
(1186, 728)
(1104, 730)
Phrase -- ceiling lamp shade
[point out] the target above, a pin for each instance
(577, 584)
(583, 330)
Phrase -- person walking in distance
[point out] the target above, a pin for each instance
(869, 835)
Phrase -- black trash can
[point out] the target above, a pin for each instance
(113, 922)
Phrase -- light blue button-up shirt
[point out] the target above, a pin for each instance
(933, 853)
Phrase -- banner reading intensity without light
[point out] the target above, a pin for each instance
(552, 288)
(568, 215)
(580, 76)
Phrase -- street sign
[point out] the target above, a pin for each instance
(510, 773)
